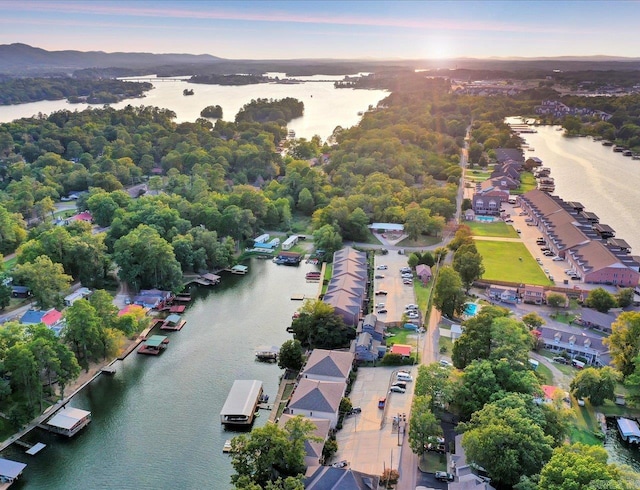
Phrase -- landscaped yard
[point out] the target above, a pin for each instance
(422, 294)
(477, 175)
(527, 183)
(510, 261)
(430, 462)
(401, 336)
(497, 228)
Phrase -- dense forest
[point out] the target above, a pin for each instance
(100, 91)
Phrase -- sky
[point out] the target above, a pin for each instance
(416, 29)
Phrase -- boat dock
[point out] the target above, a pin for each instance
(173, 323)
(239, 269)
(629, 430)
(154, 345)
(267, 353)
(242, 402)
(110, 369)
(68, 421)
(205, 280)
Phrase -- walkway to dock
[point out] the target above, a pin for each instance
(275, 411)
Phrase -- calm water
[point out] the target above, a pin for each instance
(156, 422)
(605, 182)
(324, 106)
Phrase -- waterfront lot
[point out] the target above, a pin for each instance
(368, 440)
(398, 294)
(497, 229)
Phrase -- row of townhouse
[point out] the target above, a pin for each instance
(558, 109)
(317, 396)
(575, 235)
(347, 288)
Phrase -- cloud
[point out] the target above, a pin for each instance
(215, 11)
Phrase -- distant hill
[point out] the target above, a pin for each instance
(22, 59)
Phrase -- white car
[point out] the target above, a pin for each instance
(379, 305)
(412, 315)
(557, 258)
(403, 377)
(411, 307)
(397, 389)
(382, 267)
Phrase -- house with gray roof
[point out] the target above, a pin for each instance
(576, 342)
(594, 319)
(313, 398)
(328, 365)
(329, 478)
(346, 290)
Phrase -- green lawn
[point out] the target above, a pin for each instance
(430, 462)
(497, 228)
(586, 427)
(422, 293)
(545, 372)
(510, 261)
(477, 175)
(422, 241)
(10, 263)
(446, 346)
(527, 183)
(401, 336)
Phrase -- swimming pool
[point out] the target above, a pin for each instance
(485, 219)
(470, 309)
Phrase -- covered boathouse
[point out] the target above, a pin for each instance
(9, 472)
(242, 402)
(154, 345)
(69, 421)
(629, 430)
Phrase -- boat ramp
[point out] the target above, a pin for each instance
(242, 402)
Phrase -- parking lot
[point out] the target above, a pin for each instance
(398, 294)
(369, 439)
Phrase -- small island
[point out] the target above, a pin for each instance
(235, 79)
(269, 110)
(212, 111)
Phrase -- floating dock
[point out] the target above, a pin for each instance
(242, 402)
(267, 353)
(35, 449)
(173, 323)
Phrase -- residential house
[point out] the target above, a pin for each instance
(576, 342)
(346, 290)
(594, 319)
(329, 478)
(533, 294)
(49, 318)
(506, 154)
(403, 350)
(320, 399)
(364, 348)
(152, 298)
(489, 201)
(503, 294)
(371, 325)
(547, 395)
(423, 272)
(469, 215)
(328, 365)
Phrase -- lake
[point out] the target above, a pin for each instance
(325, 107)
(156, 422)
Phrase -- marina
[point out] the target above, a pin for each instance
(242, 402)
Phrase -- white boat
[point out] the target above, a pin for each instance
(227, 446)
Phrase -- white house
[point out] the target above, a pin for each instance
(290, 242)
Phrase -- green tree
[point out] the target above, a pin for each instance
(504, 438)
(291, 355)
(319, 326)
(601, 300)
(25, 380)
(578, 466)
(624, 297)
(556, 300)
(448, 295)
(306, 204)
(624, 341)
(424, 428)
(597, 385)
(467, 262)
(533, 321)
(46, 280)
(327, 239)
(147, 260)
(270, 452)
(416, 221)
(83, 332)
(435, 381)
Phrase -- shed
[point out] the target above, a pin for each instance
(10, 470)
(387, 226)
(403, 350)
(423, 272)
(456, 331)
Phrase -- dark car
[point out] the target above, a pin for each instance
(444, 476)
(382, 311)
(381, 292)
(379, 276)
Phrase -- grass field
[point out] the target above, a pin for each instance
(497, 229)
(10, 263)
(545, 372)
(510, 261)
(527, 183)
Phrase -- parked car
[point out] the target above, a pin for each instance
(397, 389)
(522, 213)
(407, 281)
(539, 260)
(382, 267)
(508, 220)
(355, 410)
(404, 377)
(560, 360)
(400, 384)
(405, 269)
(381, 403)
(340, 464)
(380, 305)
(557, 258)
(381, 292)
(413, 315)
(382, 311)
(444, 476)
(518, 230)
(445, 363)
(404, 371)
(411, 307)
(379, 276)
(548, 253)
